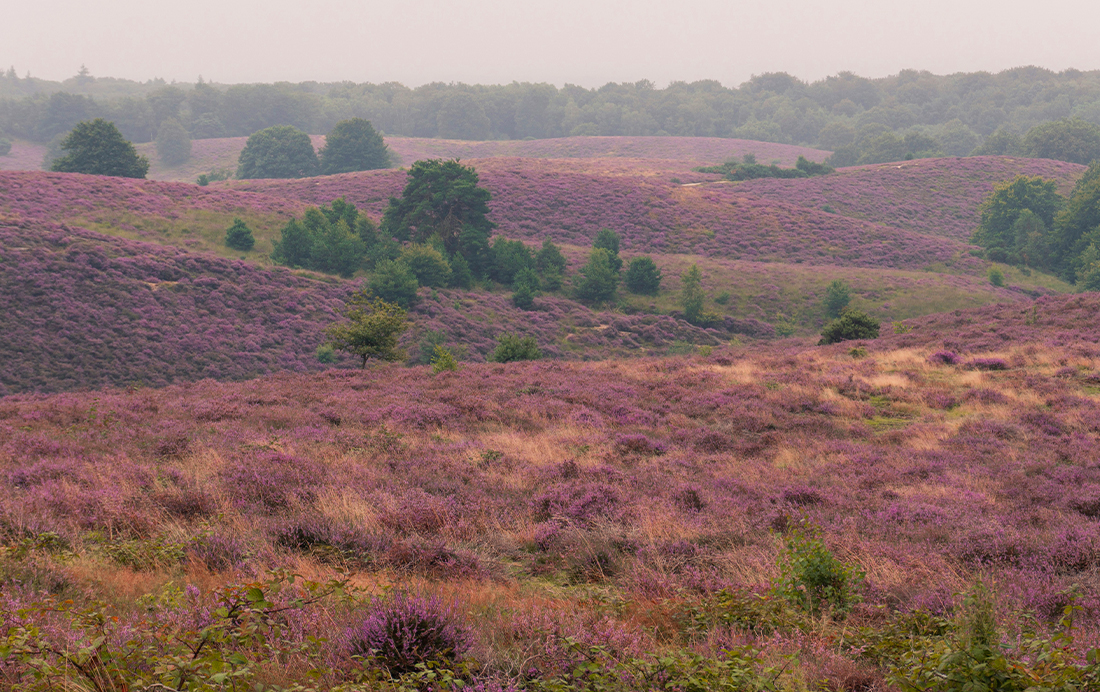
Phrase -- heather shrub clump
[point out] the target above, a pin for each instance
(405, 632)
(944, 358)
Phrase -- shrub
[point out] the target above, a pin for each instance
(239, 236)
(996, 277)
(988, 364)
(812, 578)
(852, 324)
(643, 277)
(394, 282)
(511, 347)
(371, 330)
(443, 359)
(526, 286)
(5, 146)
(325, 353)
(599, 280)
(691, 294)
(608, 239)
(96, 147)
(944, 358)
(405, 632)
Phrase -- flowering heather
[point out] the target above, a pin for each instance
(622, 493)
(24, 156)
(938, 197)
(1057, 322)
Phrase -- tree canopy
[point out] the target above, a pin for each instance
(443, 204)
(353, 145)
(333, 239)
(1003, 208)
(1074, 140)
(281, 151)
(96, 147)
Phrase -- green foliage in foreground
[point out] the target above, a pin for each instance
(813, 579)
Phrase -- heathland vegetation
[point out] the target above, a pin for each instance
(582, 413)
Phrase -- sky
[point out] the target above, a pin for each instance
(584, 42)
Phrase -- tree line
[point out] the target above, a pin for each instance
(951, 115)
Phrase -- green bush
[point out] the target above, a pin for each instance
(5, 146)
(394, 282)
(443, 359)
(239, 236)
(427, 264)
(812, 578)
(996, 277)
(851, 325)
(511, 347)
(325, 353)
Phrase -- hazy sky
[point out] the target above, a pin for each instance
(586, 42)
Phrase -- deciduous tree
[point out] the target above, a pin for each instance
(371, 329)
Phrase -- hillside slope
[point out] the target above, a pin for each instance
(933, 196)
(567, 202)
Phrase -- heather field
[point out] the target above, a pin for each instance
(937, 197)
(623, 524)
(24, 156)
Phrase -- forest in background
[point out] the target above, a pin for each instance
(950, 115)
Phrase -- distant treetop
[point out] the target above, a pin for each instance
(353, 145)
(281, 151)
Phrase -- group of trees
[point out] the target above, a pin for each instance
(284, 151)
(1027, 223)
(922, 112)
